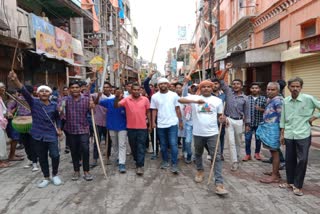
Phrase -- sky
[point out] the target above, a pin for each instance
(149, 15)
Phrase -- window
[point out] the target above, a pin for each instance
(271, 33)
(309, 30)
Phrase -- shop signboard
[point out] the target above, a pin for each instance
(37, 23)
(77, 47)
(58, 47)
(221, 48)
(310, 45)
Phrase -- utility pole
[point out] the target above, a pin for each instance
(117, 75)
(211, 57)
(218, 28)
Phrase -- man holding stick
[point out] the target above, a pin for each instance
(45, 118)
(205, 111)
(77, 106)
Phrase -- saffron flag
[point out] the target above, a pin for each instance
(88, 5)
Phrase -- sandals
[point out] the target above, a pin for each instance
(286, 186)
(297, 191)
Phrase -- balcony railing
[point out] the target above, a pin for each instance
(17, 20)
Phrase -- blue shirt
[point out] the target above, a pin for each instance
(42, 128)
(116, 117)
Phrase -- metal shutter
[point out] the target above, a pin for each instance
(309, 70)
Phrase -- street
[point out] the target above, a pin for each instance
(158, 191)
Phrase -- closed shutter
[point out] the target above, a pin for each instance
(309, 70)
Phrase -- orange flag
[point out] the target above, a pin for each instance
(88, 5)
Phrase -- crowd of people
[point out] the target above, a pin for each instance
(195, 117)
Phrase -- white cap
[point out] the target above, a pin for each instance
(163, 80)
(44, 87)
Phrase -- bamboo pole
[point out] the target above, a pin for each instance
(216, 150)
(97, 143)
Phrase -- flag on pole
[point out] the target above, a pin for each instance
(88, 5)
(121, 11)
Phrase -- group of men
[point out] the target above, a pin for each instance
(202, 114)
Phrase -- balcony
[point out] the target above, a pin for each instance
(16, 19)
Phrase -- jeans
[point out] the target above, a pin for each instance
(223, 132)
(42, 148)
(169, 136)
(102, 132)
(297, 152)
(26, 140)
(248, 138)
(79, 146)
(119, 139)
(188, 141)
(137, 139)
(199, 143)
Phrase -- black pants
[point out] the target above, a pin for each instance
(137, 139)
(27, 141)
(42, 148)
(79, 147)
(297, 152)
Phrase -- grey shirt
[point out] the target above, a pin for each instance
(236, 105)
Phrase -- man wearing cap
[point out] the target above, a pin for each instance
(205, 112)
(45, 129)
(165, 106)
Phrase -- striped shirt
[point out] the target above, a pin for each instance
(21, 110)
(256, 115)
(42, 127)
(76, 115)
(237, 106)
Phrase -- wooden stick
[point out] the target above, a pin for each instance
(97, 143)
(18, 101)
(216, 150)
(15, 50)
(155, 142)
(107, 145)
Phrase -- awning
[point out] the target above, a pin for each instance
(50, 56)
(266, 54)
(237, 24)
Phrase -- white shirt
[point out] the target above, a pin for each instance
(204, 116)
(166, 106)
